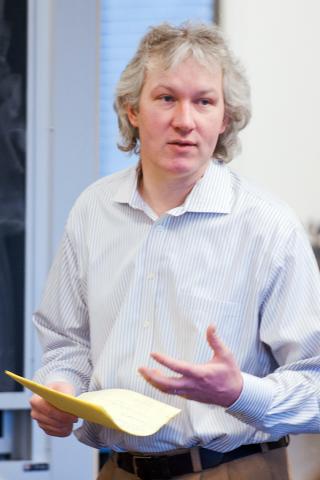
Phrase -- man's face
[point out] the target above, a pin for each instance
(180, 117)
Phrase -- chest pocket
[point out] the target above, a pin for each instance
(195, 314)
(201, 310)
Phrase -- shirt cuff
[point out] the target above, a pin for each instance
(254, 400)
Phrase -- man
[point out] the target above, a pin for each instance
(180, 250)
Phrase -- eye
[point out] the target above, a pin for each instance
(204, 102)
(167, 98)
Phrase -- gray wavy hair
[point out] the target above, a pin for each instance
(168, 45)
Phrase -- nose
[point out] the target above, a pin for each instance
(183, 117)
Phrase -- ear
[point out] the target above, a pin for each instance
(224, 124)
(132, 116)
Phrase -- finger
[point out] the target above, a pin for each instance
(56, 432)
(162, 382)
(219, 348)
(40, 407)
(53, 414)
(178, 366)
(48, 420)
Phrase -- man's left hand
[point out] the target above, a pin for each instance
(219, 381)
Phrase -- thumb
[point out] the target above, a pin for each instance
(215, 343)
(62, 387)
(69, 389)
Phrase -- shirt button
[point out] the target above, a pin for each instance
(146, 324)
(151, 275)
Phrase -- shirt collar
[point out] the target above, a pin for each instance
(213, 193)
(127, 189)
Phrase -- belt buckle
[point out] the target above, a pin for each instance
(134, 462)
(151, 467)
(210, 458)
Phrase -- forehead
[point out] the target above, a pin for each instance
(189, 72)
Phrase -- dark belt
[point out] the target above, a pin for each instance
(151, 467)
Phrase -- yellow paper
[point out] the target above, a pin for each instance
(120, 409)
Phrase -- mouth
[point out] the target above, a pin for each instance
(182, 143)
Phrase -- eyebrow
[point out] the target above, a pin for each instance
(200, 92)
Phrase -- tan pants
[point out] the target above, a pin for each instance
(271, 465)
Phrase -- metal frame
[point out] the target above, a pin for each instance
(216, 11)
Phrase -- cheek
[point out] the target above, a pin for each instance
(211, 136)
(151, 126)
(213, 129)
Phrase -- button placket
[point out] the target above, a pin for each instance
(148, 287)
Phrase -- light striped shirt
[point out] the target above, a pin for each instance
(126, 283)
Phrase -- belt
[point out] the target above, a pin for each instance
(166, 466)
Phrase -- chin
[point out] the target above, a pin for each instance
(181, 170)
(186, 168)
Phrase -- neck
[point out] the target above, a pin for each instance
(163, 194)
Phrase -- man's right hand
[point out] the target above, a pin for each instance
(53, 421)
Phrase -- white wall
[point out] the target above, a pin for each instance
(278, 42)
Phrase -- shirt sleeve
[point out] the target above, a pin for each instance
(62, 323)
(288, 400)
